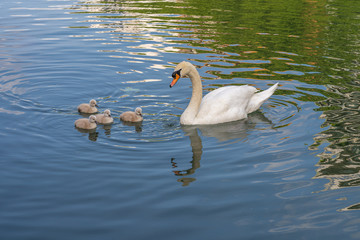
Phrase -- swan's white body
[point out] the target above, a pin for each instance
(224, 104)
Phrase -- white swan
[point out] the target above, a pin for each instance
(224, 104)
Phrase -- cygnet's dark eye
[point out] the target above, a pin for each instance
(176, 72)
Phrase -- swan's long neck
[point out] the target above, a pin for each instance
(192, 109)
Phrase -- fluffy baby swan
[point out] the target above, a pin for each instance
(86, 123)
(132, 116)
(104, 118)
(88, 107)
(222, 105)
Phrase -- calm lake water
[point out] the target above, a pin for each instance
(289, 171)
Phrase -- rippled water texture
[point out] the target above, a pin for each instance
(289, 171)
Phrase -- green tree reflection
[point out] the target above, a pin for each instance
(315, 43)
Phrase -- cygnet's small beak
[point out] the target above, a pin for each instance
(96, 105)
(175, 79)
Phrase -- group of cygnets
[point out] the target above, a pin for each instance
(104, 118)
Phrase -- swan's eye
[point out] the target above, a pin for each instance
(176, 72)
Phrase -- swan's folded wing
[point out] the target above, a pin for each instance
(225, 104)
(259, 98)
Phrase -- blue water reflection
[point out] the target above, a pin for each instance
(288, 171)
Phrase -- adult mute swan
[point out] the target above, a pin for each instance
(224, 104)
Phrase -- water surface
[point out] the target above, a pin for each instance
(291, 170)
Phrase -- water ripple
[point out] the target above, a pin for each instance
(270, 171)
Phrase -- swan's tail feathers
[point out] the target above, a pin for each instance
(259, 98)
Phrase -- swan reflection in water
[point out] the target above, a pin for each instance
(223, 132)
(136, 125)
(107, 129)
(93, 134)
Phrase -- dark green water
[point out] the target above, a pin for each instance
(291, 170)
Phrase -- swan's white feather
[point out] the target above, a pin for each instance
(225, 104)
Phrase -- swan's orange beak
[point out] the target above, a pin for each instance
(176, 76)
(175, 79)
